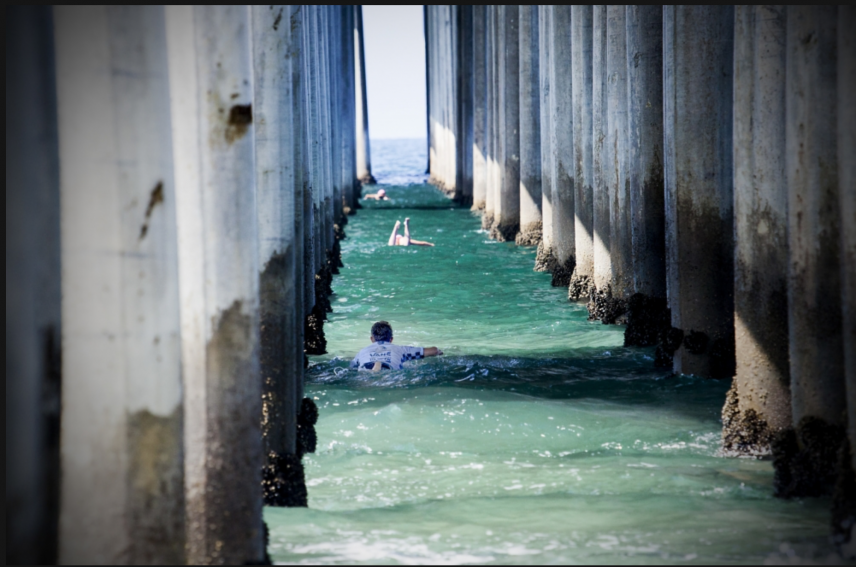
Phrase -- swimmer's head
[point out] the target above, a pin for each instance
(381, 193)
(382, 331)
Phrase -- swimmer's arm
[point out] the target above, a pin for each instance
(431, 351)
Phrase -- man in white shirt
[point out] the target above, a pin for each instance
(383, 355)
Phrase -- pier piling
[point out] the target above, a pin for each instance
(530, 130)
(33, 292)
(123, 420)
(581, 283)
(697, 93)
(759, 403)
(647, 318)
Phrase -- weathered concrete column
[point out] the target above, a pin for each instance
(428, 17)
(33, 293)
(448, 68)
(602, 294)
(310, 327)
(530, 130)
(333, 130)
(336, 131)
(581, 284)
(615, 146)
(325, 181)
(759, 402)
(480, 101)
(698, 69)
(545, 259)
(805, 459)
(507, 206)
(647, 316)
(349, 120)
(464, 98)
(491, 121)
(211, 93)
(274, 47)
(562, 137)
(453, 101)
(844, 524)
(447, 144)
(316, 122)
(303, 276)
(426, 30)
(122, 419)
(364, 162)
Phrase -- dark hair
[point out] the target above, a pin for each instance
(382, 331)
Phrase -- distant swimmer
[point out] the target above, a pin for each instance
(396, 239)
(379, 196)
(383, 355)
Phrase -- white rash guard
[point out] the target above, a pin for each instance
(390, 356)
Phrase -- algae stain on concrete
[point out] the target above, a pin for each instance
(156, 198)
(231, 531)
(156, 479)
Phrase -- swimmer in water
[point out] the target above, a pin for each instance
(396, 239)
(379, 196)
(383, 355)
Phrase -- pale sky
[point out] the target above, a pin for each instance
(395, 71)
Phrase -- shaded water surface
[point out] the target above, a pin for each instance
(537, 438)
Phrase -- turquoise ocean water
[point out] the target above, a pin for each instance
(537, 438)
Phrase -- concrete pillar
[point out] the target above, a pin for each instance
(530, 130)
(281, 364)
(349, 121)
(453, 101)
(847, 178)
(759, 403)
(698, 69)
(479, 67)
(122, 419)
(562, 137)
(507, 206)
(545, 259)
(602, 292)
(615, 146)
(435, 86)
(647, 317)
(493, 179)
(331, 188)
(465, 79)
(816, 346)
(322, 100)
(320, 172)
(581, 284)
(304, 195)
(438, 66)
(844, 528)
(317, 122)
(33, 291)
(211, 92)
(336, 132)
(426, 16)
(296, 161)
(364, 162)
(814, 281)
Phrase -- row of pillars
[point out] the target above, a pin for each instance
(689, 172)
(177, 182)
